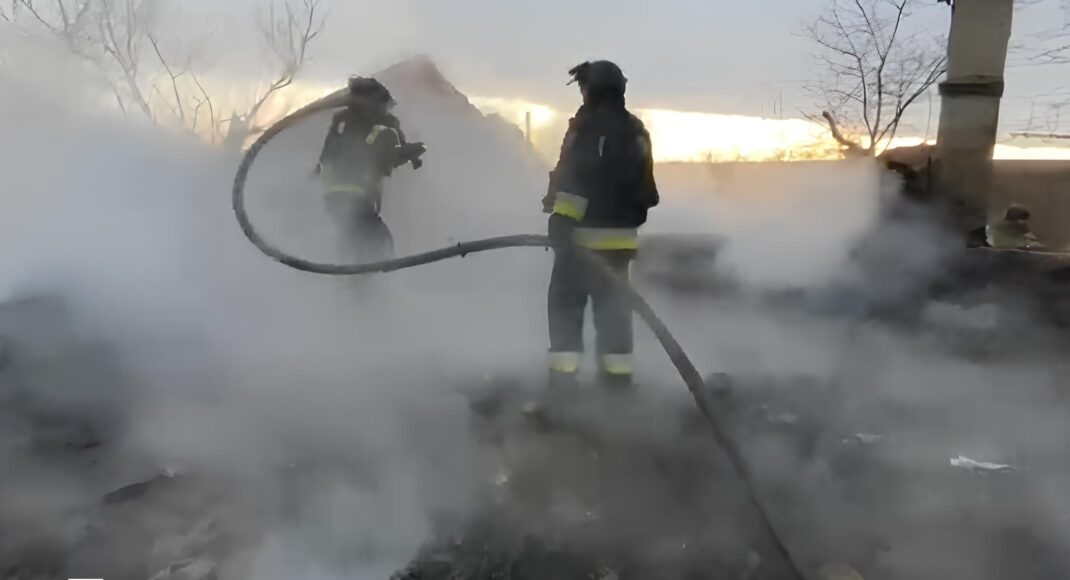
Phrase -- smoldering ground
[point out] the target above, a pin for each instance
(310, 427)
(898, 350)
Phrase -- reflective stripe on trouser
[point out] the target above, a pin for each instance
(571, 285)
(618, 365)
(570, 205)
(343, 188)
(564, 362)
(607, 238)
(333, 181)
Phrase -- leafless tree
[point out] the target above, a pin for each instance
(180, 90)
(873, 68)
(1050, 45)
(119, 38)
(1054, 42)
(286, 31)
(66, 19)
(121, 33)
(110, 34)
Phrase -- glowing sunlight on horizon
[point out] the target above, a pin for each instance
(678, 136)
(687, 136)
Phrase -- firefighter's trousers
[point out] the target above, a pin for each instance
(572, 283)
(362, 236)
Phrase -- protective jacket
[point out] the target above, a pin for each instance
(604, 178)
(359, 151)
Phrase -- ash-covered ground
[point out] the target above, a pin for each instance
(932, 449)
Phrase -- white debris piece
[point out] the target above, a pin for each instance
(783, 418)
(172, 471)
(502, 476)
(864, 439)
(964, 462)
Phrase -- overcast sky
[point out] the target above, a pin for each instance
(695, 55)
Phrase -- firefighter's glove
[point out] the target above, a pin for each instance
(559, 229)
(412, 152)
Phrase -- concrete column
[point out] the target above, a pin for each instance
(969, 117)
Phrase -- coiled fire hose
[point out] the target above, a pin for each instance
(638, 304)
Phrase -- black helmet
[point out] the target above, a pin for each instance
(1016, 213)
(372, 90)
(599, 77)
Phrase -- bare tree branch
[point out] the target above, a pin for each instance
(1054, 53)
(287, 36)
(9, 14)
(1033, 135)
(1045, 53)
(858, 58)
(66, 22)
(119, 99)
(873, 70)
(838, 135)
(933, 71)
(32, 9)
(180, 111)
(883, 57)
(213, 121)
(90, 30)
(120, 41)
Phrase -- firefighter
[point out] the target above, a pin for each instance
(364, 145)
(598, 196)
(1013, 231)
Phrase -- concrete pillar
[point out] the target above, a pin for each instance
(969, 116)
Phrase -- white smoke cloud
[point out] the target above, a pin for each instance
(245, 373)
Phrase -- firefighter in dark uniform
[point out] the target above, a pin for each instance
(1013, 231)
(363, 146)
(598, 197)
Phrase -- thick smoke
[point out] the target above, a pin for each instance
(326, 422)
(237, 369)
(858, 325)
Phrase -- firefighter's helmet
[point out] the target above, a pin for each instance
(372, 90)
(599, 76)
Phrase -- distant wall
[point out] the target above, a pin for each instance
(1040, 185)
(1044, 188)
(784, 225)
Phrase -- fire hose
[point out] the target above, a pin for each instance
(636, 302)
